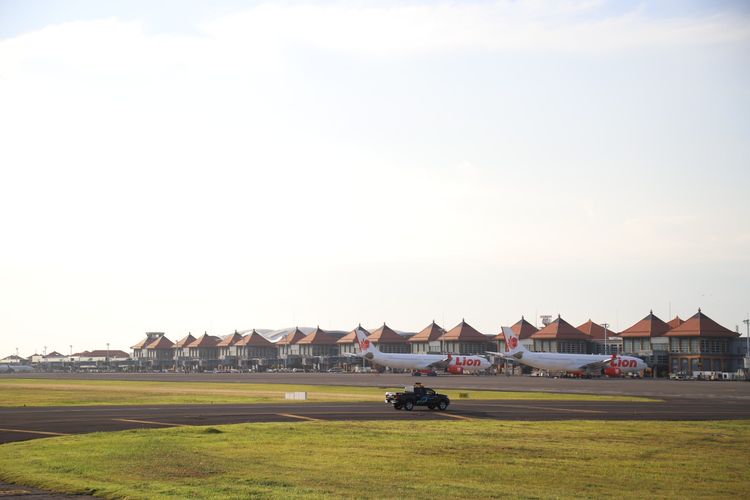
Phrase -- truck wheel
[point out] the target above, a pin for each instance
(398, 407)
(408, 406)
(442, 405)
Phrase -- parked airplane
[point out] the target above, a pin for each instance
(612, 365)
(450, 362)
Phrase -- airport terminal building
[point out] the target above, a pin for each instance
(698, 345)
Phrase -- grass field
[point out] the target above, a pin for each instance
(459, 459)
(35, 392)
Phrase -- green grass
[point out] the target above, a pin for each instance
(430, 459)
(36, 392)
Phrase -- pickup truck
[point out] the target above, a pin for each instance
(408, 399)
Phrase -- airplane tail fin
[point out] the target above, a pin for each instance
(512, 344)
(364, 343)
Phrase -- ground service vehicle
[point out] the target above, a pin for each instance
(408, 399)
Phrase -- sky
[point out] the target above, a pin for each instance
(193, 166)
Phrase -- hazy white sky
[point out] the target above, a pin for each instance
(183, 167)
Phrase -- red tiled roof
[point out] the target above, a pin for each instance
(650, 326)
(205, 340)
(522, 328)
(230, 340)
(160, 343)
(184, 341)
(318, 337)
(351, 337)
(255, 339)
(385, 335)
(465, 332)
(595, 331)
(560, 330)
(101, 353)
(674, 323)
(431, 332)
(139, 345)
(700, 325)
(292, 338)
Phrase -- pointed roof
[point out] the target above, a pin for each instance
(160, 343)
(318, 337)
(230, 340)
(292, 338)
(351, 337)
(674, 323)
(560, 330)
(255, 339)
(464, 331)
(53, 354)
(522, 328)
(184, 341)
(433, 331)
(595, 331)
(205, 340)
(700, 325)
(385, 335)
(139, 345)
(650, 326)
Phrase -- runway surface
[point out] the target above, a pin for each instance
(22, 423)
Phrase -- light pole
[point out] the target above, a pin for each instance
(747, 352)
(605, 325)
(107, 358)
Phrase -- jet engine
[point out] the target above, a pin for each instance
(612, 371)
(455, 370)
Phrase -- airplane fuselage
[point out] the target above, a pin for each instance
(562, 362)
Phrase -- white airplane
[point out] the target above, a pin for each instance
(451, 362)
(612, 365)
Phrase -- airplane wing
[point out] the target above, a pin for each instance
(597, 365)
(437, 364)
(351, 355)
(505, 355)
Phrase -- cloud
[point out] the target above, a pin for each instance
(499, 26)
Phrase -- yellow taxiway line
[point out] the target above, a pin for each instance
(148, 422)
(43, 433)
(301, 417)
(453, 415)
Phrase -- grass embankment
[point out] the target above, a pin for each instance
(462, 459)
(36, 392)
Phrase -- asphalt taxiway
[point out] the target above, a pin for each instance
(22, 423)
(656, 388)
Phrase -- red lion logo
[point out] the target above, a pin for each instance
(513, 342)
(364, 345)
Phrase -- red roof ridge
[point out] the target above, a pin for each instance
(561, 330)
(351, 337)
(431, 332)
(318, 337)
(386, 335)
(464, 331)
(700, 325)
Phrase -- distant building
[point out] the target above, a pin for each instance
(387, 340)
(701, 344)
(561, 336)
(427, 340)
(524, 330)
(256, 352)
(465, 339)
(204, 352)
